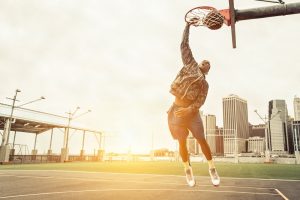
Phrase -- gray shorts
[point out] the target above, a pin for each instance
(180, 126)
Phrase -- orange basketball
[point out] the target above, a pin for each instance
(213, 20)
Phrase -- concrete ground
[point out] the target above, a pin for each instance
(40, 184)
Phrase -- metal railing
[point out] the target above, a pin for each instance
(26, 159)
(84, 158)
(22, 159)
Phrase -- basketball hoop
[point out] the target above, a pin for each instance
(205, 16)
(213, 19)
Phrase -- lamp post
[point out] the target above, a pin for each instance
(41, 98)
(4, 148)
(8, 125)
(19, 106)
(267, 131)
(71, 116)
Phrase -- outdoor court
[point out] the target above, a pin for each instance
(42, 184)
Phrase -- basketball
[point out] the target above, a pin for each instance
(213, 20)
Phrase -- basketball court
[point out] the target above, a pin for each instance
(53, 184)
(39, 184)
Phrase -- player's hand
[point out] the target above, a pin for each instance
(182, 112)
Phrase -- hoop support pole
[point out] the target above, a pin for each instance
(270, 11)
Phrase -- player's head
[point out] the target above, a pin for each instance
(204, 66)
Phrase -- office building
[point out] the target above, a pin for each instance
(235, 124)
(209, 125)
(278, 116)
(296, 108)
(296, 135)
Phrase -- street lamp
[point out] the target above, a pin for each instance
(12, 110)
(10, 117)
(71, 116)
(4, 148)
(267, 131)
(41, 98)
(82, 114)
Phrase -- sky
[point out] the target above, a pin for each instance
(119, 57)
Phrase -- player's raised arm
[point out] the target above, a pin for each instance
(186, 53)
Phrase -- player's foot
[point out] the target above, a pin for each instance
(190, 177)
(215, 179)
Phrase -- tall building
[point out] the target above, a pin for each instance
(296, 135)
(296, 108)
(278, 136)
(209, 124)
(235, 124)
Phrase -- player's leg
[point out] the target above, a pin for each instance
(180, 133)
(196, 127)
(184, 152)
(186, 162)
(211, 166)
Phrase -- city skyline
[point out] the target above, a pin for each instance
(279, 133)
(212, 120)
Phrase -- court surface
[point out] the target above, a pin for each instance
(42, 184)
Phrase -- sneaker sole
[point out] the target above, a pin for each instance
(192, 185)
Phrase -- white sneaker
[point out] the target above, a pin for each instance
(215, 179)
(190, 177)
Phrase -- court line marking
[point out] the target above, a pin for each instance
(282, 195)
(128, 181)
(119, 173)
(110, 190)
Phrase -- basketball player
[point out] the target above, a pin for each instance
(190, 90)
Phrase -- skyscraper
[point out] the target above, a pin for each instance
(297, 108)
(209, 124)
(296, 140)
(235, 124)
(296, 135)
(278, 115)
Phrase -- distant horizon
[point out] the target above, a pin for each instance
(66, 117)
(126, 151)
